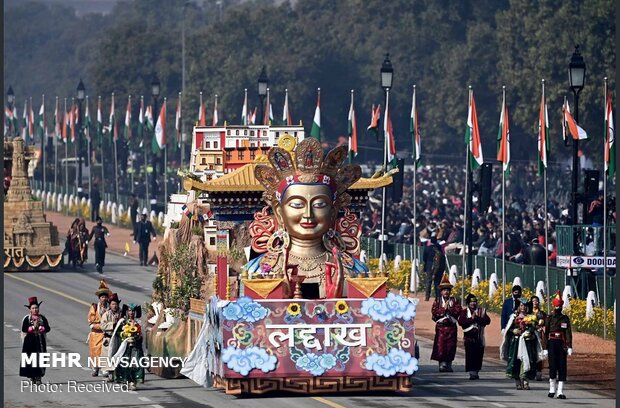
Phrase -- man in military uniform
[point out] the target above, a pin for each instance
(558, 344)
(95, 312)
(142, 234)
(99, 232)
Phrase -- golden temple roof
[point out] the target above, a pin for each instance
(243, 179)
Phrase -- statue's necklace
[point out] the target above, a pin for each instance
(310, 263)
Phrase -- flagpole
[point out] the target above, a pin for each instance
(414, 257)
(545, 196)
(180, 130)
(112, 131)
(351, 135)
(605, 148)
(88, 156)
(56, 149)
(43, 140)
(66, 155)
(503, 206)
(102, 154)
(385, 152)
(466, 200)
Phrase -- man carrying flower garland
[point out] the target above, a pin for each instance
(445, 312)
(558, 344)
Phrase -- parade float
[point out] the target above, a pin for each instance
(30, 241)
(303, 314)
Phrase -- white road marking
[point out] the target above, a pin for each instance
(50, 347)
(85, 368)
(477, 398)
(15, 330)
(157, 406)
(132, 392)
(144, 399)
(437, 385)
(498, 405)
(457, 391)
(8, 325)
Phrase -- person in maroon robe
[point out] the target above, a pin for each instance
(445, 312)
(473, 319)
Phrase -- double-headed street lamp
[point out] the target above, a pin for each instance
(81, 93)
(387, 73)
(263, 82)
(155, 90)
(576, 80)
(10, 98)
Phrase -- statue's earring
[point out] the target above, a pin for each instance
(278, 242)
(331, 239)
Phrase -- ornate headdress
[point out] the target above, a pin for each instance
(307, 164)
(33, 301)
(445, 282)
(557, 300)
(103, 288)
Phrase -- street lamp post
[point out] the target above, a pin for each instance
(10, 98)
(387, 73)
(263, 81)
(81, 92)
(155, 89)
(576, 79)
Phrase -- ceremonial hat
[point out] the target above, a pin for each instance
(557, 300)
(103, 289)
(132, 306)
(33, 301)
(114, 297)
(445, 282)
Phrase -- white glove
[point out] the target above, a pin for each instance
(134, 242)
(545, 353)
(154, 238)
(91, 326)
(570, 351)
(503, 331)
(108, 234)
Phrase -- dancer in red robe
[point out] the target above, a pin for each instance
(445, 312)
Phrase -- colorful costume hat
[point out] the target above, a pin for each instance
(103, 289)
(33, 301)
(557, 300)
(445, 282)
(114, 298)
(132, 306)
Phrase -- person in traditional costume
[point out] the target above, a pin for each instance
(541, 318)
(128, 332)
(558, 344)
(473, 320)
(510, 305)
(34, 328)
(445, 312)
(521, 346)
(304, 241)
(96, 310)
(109, 321)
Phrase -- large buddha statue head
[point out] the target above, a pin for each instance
(306, 189)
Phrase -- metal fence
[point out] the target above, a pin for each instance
(580, 281)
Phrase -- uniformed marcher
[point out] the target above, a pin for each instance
(473, 320)
(99, 232)
(142, 234)
(558, 344)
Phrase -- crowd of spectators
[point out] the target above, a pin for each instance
(440, 191)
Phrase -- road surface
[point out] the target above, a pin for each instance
(66, 296)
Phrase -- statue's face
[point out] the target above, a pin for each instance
(307, 211)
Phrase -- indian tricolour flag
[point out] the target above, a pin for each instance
(128, 120)
(202, 119)
(286, 114)
(503, 138)
(610, 139)
(160, 128)
(576, 131)
(244, 110)
(216, 118)
(315, 132)
(415, 133)
(472, 135)
(352, 128)
(389, 133)
(543, 134)
(177, 121)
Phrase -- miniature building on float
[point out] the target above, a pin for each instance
(30, 241)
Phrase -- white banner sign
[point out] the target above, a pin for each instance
(565, 261)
